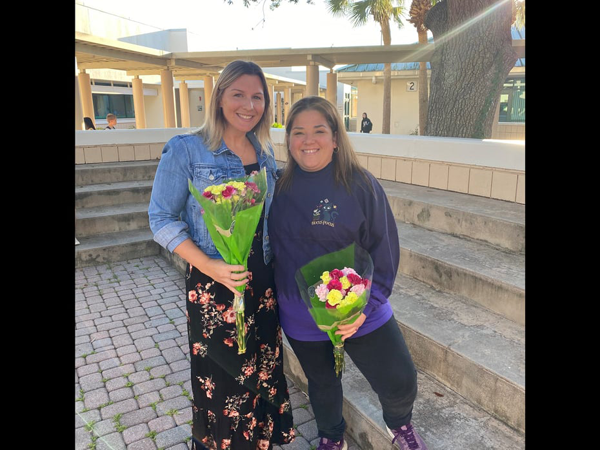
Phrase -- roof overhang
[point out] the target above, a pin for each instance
(93, 52)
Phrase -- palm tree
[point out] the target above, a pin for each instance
(417, 12)
(382, 12)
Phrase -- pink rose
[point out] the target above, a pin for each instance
(252, 186)
(228, 192)
(322, 292)
(354, 279)
(334, 284)
(336, 274)
(347, 271)
(358, 289)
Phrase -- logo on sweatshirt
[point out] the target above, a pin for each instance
(325, 213)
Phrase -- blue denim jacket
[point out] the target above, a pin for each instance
(175, 215)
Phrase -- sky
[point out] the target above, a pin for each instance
(231, 27)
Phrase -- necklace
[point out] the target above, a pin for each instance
(245, 152)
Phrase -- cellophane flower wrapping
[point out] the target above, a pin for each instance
(231, 211)
(336, 288)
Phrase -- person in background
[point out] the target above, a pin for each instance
(366, 125)
(112, 121)
(325, 201)
(89, 125)
(241, 402)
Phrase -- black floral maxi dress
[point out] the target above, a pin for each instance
(241, 402)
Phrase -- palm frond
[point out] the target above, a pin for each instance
(360, 11)
(338, 7)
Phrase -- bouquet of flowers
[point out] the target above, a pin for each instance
(336, 287)
(231, 211)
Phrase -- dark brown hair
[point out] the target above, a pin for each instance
(345, 161)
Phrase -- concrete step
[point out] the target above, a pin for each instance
(444, 419)
(112, 247)
(475, 352)
(112, 194)
(111, 219)
(490, 276)
(496, 222)
(474, 355)
(115, 172)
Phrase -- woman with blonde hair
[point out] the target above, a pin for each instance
(241, 402)
(325, 201)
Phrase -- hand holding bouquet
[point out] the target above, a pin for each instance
(231, 211)
(336, 287)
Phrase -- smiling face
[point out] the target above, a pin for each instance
(243, 103)
(311, 141)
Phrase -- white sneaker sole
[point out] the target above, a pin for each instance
(389, 432)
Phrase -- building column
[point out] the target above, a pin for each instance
(272, 95)
(312, 80)
(139, 107)
(287, 102)
(184, 102)
(85, 90)
(495, 124)
(168, 96)
(278, 110)
(332, 87)
(78, 115)
(209, 82)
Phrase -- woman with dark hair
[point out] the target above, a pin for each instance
(241, 402)
(325, 201)
(89, 125)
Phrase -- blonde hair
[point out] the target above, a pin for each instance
(215, 122)
(345, 161)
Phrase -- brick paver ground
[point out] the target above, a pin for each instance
(132, 373)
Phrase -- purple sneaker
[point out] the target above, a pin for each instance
(407, 438)
(328, 444)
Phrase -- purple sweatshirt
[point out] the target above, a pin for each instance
(315, 217)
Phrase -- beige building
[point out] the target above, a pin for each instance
(366, 81)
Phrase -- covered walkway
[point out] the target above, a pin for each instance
(93, 52)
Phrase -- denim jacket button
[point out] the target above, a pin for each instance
(211, 177)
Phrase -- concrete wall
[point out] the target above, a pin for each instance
(488, 168)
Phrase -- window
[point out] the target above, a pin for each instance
(118, 104)
(512, 101)
(354, 109)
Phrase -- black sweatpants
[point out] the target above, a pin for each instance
(384, 360)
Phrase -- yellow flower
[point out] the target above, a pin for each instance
(325, 277)
(238, 185)
(216, 189)
(334, 297)
(349, 299)
(345, 282)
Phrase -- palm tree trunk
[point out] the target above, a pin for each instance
(387, 80)
(469, 66)
(423, 87)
